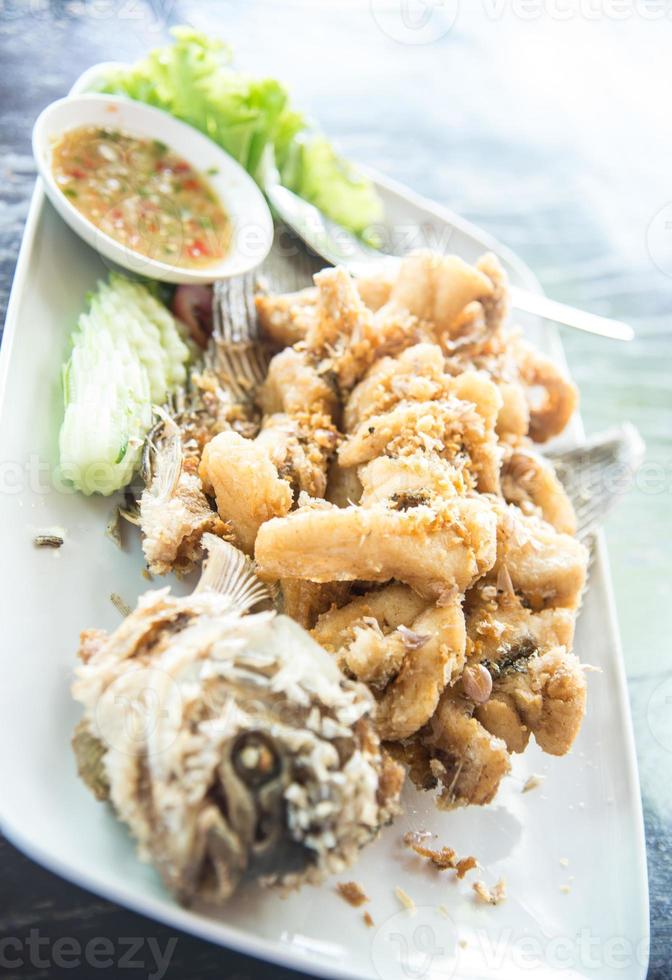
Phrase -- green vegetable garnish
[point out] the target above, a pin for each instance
(194, 81)
(127, 354)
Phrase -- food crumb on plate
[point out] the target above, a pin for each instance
(442, 910)
(368, 921)
(565, 889)
(490, 896)
(444, 858)
(352, 893)
(405, 899)
(413, 837)
(49, 537)
(564, 862)
(119, 604)
(532, 782)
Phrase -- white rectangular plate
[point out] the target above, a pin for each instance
(571, 850)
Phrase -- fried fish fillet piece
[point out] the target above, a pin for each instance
(364, 633)
(529, 481)
(537, 684)
(547, 699)
(285, 318)
(293, 385)
(300, 446)
(298, 429)
(452, 427)
(409, 480)
(455, 753)
(391, 607)
(346, 337)
(417, 374)
(514, 415)
(425, 286)
(545, 566)
(560, 396)
(436, 288)
(245, 484)
(404, 648)
(434, 656)
(431, 550)
(499, 622)
(538, 399)
(305, 601)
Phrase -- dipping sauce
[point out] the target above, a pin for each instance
(143, 195)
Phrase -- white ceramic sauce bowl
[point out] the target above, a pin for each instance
(245, 205)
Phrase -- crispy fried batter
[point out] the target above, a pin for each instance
(529, 481)
(429, 550)
(174, 526)
(285, 318)
(547, 567)
(293, 385)
(346, 338)
(417, 374)
(405, 649)
(436, 490)
(305, 601)
(407, 481)
(560, 397)
(466, 760)
(547, 700)
(245, 483)
(436, 288)
(432, 659)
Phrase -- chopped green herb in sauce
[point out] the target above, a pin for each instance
(143, 195)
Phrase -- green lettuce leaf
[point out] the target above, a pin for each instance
(192, 78)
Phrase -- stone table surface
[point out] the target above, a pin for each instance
(545, 123)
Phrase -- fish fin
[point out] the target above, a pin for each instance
(597, 474)
(168, 455)
(228, 571)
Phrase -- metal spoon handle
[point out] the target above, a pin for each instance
(338, 246)
(551, 309)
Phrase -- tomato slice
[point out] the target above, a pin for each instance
(192, 304)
